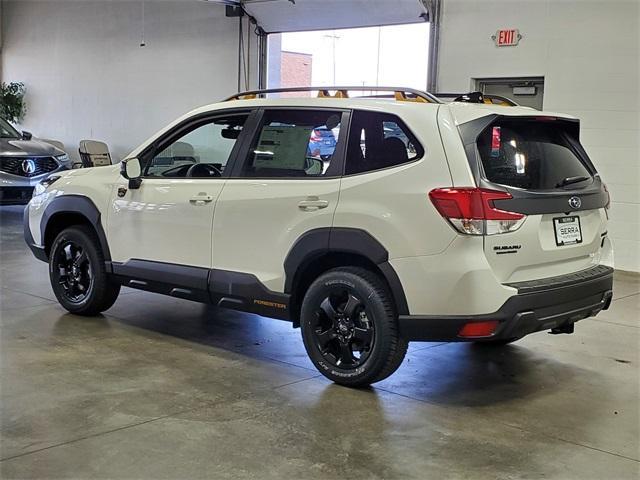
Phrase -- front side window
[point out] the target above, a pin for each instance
(535, 155)
(379, 140)
(294, 143)
(202, 152)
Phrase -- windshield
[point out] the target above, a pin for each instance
(7, 131)
(534, 155)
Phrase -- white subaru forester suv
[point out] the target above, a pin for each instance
(421, 220)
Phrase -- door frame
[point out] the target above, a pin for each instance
(477, 83)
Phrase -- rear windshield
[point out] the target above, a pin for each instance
(534, 155)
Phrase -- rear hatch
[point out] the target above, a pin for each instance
(545, 176)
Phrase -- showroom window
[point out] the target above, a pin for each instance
(366, 56)
(203, 152)
(294, 143)
(379, 140)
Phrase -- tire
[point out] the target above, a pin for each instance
(77, 272)
(350, 327)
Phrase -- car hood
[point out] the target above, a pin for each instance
(27, 148)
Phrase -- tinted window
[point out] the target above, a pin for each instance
(529, 154)
(294, 143)
(202, 152)
(379, 140)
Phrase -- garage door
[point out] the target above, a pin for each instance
(287, 16)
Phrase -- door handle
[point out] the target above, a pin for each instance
(201, 199)
(311, 204)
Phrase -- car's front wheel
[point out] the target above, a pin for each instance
(77, 272)
(350, 329)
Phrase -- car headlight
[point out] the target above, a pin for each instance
(41, 187)
(64, 158)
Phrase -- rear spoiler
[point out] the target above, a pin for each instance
(479, 97)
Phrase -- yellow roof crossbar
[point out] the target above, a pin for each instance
(401, 96)
(479, 97)
(249, 96)
(339, 94)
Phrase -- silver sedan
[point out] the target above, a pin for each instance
(24, 162)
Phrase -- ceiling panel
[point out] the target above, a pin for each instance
(285, 16)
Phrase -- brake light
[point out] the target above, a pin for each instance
(471, 210)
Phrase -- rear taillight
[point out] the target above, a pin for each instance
(471, 211)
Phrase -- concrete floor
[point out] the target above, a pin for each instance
(164, 388)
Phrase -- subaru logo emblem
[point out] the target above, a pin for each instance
(575, 202)
(28, 166)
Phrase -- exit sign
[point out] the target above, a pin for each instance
(507, 38)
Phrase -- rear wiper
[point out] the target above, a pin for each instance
(570, 180)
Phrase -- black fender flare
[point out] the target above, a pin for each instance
(76, 204)
(321, 241)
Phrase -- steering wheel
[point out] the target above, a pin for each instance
(203, 170)
(179, 171)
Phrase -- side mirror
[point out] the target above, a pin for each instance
(26, 135)
(130, 169)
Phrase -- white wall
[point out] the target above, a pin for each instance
(87, 76)
(588, 52)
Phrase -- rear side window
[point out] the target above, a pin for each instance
(528, 154)
(294, 143)
(379, 140)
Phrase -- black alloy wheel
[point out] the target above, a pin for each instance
(343, 332)
(74, 273)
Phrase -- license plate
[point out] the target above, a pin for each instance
(567, 230)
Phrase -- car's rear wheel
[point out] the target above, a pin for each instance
(350, 328)
(77, 272)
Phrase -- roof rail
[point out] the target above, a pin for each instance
(479, 97)
(399, 93)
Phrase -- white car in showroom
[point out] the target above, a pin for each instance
(428, 221)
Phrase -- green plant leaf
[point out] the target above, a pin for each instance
(12, 104)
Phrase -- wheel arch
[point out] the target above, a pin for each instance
(69, 210)
(322, 249)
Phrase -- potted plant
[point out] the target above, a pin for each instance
(12, 105)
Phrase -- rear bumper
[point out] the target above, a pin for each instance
(541, 305)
